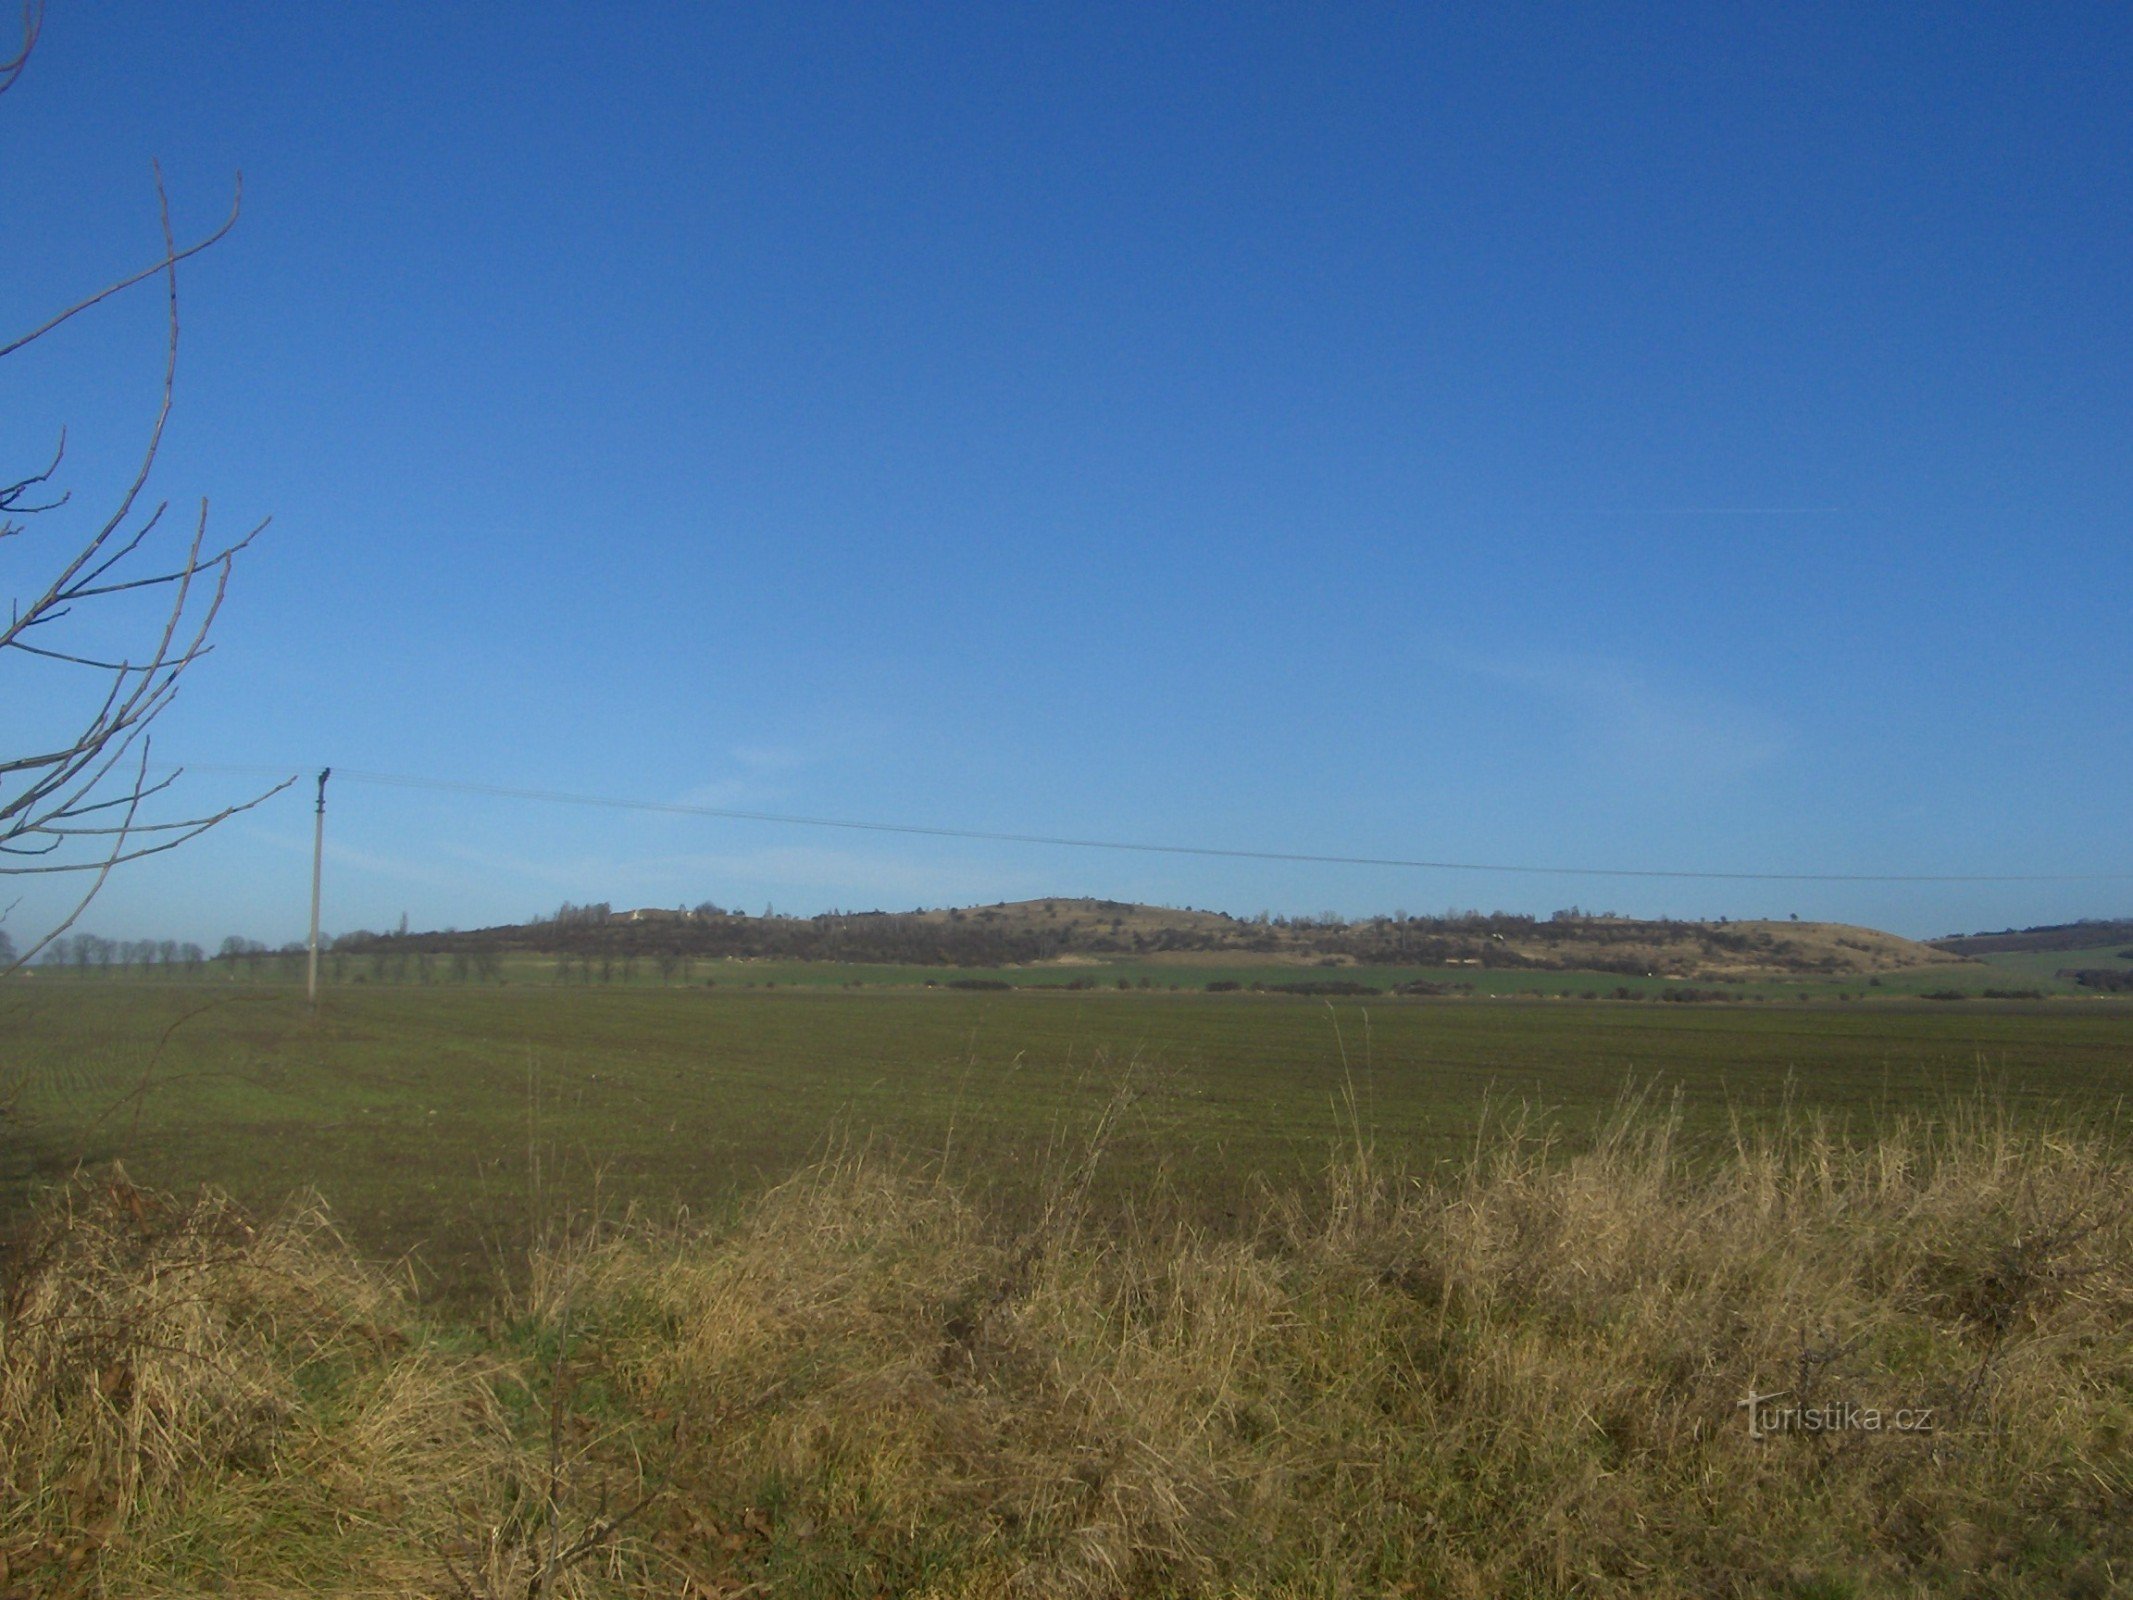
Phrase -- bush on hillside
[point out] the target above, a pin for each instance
(2104, 980)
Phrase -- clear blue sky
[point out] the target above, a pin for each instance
(1612, 436)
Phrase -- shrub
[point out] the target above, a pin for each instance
(2104, 980)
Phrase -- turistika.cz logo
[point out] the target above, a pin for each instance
(1767, 1418)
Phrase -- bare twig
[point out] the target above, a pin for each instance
(32, 25)
(56, 814)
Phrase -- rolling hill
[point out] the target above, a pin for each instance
(1067, 932)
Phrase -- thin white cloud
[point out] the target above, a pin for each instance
(814, 873)
(727, 794)
(774, 758)
(1636, 731)
(760, 779)
(399, 868)
(1704, 511)
(572, 873)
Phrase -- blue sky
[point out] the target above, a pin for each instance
(1615, 437)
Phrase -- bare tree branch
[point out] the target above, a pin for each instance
(11, 495)
(169, 260)
(55, 801)
(193, 827)
(32, 25)
(103, 873)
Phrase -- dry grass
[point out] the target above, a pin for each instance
(1522, 1376)
(192, 1401)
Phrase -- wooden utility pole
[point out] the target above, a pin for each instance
(318, 857)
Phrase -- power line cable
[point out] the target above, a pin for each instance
(395, 780)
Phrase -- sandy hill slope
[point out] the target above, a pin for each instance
(1095, 917)
(1755, 949)
(1068, 931)
(1616, 944)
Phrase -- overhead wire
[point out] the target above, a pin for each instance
(395, 780)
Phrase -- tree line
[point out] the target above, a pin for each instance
(990, 937)
(593, 942)
(92, 952)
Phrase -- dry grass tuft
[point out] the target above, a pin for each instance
(192, 1399)
(1523, 1377)
(1520, 1376)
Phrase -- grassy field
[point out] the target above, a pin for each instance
(2042, 965)
(1057, 1293)
(1177, 970)
(450, 1121)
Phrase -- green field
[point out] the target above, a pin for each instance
(2042, 966)
(2022, 973)
(450, 1122)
